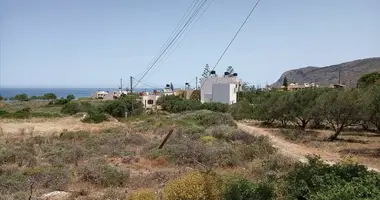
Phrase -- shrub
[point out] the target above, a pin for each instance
(215, 106)
(61, 153)
(54, 178)
(193, 186)
(143, 194)
(74, 135)
(184, 151)
(208, 118)
(99, 172)
(240, 189)
(317, 180)
(20, 153)
(12, 181)
(119, 107)
(74, 107)
(241, 110)
(95, 117)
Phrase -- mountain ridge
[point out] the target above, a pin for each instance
(350, 72)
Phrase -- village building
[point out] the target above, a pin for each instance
(221, 89)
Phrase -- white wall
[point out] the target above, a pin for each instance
(207, 85)
(224, 93)
(146, 98)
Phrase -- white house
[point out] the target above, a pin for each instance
(149, 100)
(220, 89)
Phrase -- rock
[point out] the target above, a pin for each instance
(56, 195)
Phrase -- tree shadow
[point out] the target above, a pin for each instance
(350, 140)
(366, 152)
(360, 133)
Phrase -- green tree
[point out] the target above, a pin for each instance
(50, 96)
(21, 97)
(370, 106)
(206, 71)
(301, 106)
(1, 98)
(230, 70)
(70, 97)
(369, 79)
(339, 108)
(285, 83)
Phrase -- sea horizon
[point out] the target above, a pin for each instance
(79, 92)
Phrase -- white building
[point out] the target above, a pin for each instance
(220, 89)
(149, 100)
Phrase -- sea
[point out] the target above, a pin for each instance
(60, 92)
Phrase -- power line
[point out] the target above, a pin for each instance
(180, 41)
(173, 40)
(180, 23)
(236, 34)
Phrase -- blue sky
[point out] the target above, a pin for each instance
(94, 43)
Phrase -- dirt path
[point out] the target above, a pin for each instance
(296, 151)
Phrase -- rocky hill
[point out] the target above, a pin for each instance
(324, 76)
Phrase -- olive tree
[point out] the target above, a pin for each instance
(301, 106)
(340, 108)
(370, 102)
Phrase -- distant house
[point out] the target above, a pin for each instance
(100, 94)
(296, 86)
(220, 89)
(149, 100)
(106, 95)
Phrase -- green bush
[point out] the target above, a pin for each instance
(215, 106)
(176, 104)
(241, 110)
(317, 180)
(74, 107)
(242, 189)
(95, 117)
(208, 118)
(119, 107)
(99, 172)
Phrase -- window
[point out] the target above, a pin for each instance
(150, 101)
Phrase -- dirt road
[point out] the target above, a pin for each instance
(296, 151)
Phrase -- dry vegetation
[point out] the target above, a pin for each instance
(207, 157)
(91, 165)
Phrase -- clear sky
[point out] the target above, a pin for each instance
(94, 43)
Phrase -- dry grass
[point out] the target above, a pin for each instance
(44, 126)
(69, 148)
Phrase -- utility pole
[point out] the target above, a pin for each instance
(131, 82)
(196, 82)
(121, 84)
(131, 87)
(339, 77)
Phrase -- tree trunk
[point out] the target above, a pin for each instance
(338, 130)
